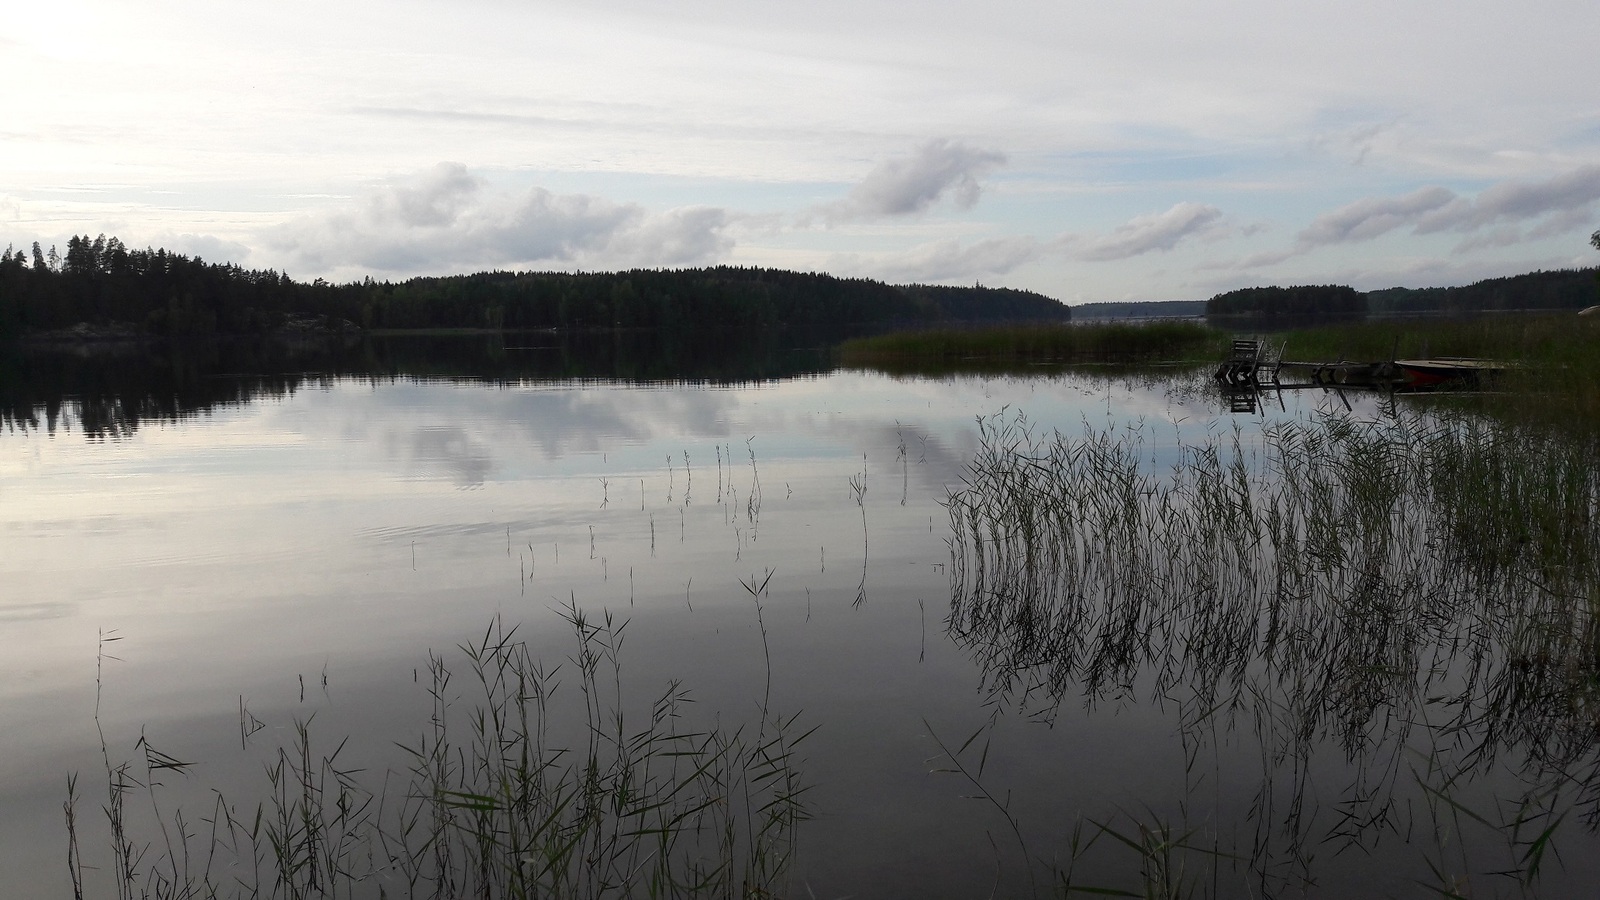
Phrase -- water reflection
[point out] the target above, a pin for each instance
(1404, 614)
(107, 391)
(339, 526)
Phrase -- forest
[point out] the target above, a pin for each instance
(101, 286)
(1139, 309)
(1558, 289)
(1298, 304)
(1540, 290)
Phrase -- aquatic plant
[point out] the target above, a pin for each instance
(1555, 379)
(1410, 604)
(1037, 343)
(508, 793)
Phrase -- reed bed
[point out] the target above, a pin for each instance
(1556, 373)
(1416, 600)
(1034, 344)
(509, 793)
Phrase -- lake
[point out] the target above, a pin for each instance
(209, 560)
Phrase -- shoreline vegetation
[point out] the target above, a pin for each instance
(1555, 358)
(1417, 597)
(1165, 341)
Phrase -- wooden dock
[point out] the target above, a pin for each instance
(1251, 361)
(1347, 374)
(1255, 362)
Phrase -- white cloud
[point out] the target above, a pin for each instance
(1556, 223)
(1519, 201)
(1372, 216)
(948, 260)
(431, 198)
(1564, 202)
(443, 219)
(204, 246)
(1491, 239)
(1503, 215)
(1564, 221)
(1146, 234)
(674, 238)
(1253, 261)
(938, 169)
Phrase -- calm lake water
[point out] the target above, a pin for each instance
(266, 545)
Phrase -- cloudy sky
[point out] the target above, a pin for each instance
(1140, 150)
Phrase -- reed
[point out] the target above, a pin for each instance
(508, 792)
(1420, 588)
(1097, 343)
(1556, 373)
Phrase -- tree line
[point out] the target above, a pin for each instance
(102, 282)
(1298, 304)
(1559, 289)
(1552, 290)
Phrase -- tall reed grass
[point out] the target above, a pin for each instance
(1034, 344)
(1555, 379)
(509, 792)
(1418, 597)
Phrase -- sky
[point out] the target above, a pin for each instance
(1090, 151)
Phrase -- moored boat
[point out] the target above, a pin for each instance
(1442, 370)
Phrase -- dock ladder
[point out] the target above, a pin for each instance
(1251, 360)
